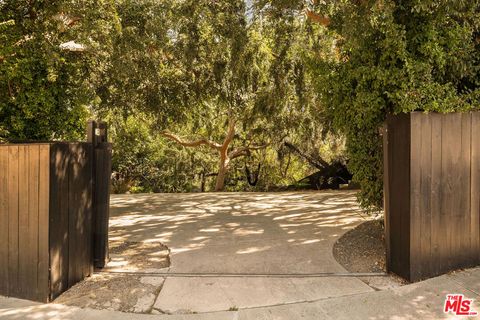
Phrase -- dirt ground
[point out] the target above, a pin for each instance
(122, 292)
(362, 250)
(126, 293)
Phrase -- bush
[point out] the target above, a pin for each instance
(395, 57)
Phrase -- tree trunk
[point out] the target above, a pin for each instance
(222, 171)
(225, 156)
(202, 187)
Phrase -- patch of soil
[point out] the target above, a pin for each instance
(124, 293)
(362, 250)
(132, 256)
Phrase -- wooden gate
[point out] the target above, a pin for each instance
(50, 199)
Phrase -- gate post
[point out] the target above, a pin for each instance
(102, 155)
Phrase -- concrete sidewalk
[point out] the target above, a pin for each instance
(423, 300)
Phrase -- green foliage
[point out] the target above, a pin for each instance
(189, 66)
(144, 162)
(393, 57)
(46, 92)
(149, 65)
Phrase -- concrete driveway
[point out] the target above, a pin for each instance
(214, 236)
(211, 237)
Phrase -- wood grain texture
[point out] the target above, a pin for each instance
(13, 205)
(32, 234)
(426, 190)
(415, 194)
(23, 228)
(386, 193)
(475, 188)
(462, 242)
(45, 218)
(4, 193)
(43, 276)
(399, 188)
(59, 237)
(101, 204)
(436, 231)
(443, 189)
(87, 195)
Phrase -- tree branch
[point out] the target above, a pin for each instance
(323, 20)
(195, 143)
(244, 151)
(239, 153)
(318, 163)
(230, 134)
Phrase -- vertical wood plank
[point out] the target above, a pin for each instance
(71, 211)
(87, 209)
(399, 188)
(425, 192)
(13, 263)
(4, 194)
(460, 194)
(59, 237)
(462, 237)
(436, 230)
(23, 227)
(446, 188)
(64, 217)
(416, 196)
(101, 202)
(475, 188)
(33, 222)
(386, 193)
(76, 225)
(43, 223)
(451, 201)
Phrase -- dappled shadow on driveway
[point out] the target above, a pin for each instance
(288, 232)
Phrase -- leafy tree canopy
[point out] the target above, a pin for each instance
(52, 56)
(212, 73)
(393, 57)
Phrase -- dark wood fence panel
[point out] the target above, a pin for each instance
(4, 284)
(46, 216)
(32, 184)
(43, 277)
(58, 236)
(80, 212)
(398, 155)
(71, 209)
(13, 261)
(437, 238)
(103, 169)
(475, 186)
(431, 193)
(22, 220)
